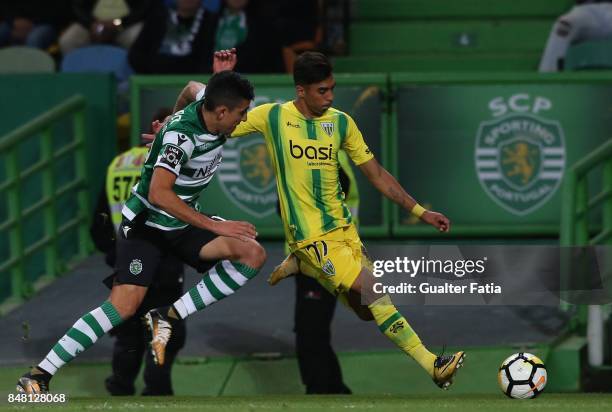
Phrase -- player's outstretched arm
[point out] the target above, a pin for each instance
(187, 95)
(390, 187)
(222, 60)
(163, 197)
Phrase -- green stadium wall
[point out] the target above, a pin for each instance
(427, 129)
(27, 96)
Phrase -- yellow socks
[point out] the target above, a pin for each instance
(398, 330)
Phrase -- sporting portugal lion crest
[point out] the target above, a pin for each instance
(247, 177)
(520, 160)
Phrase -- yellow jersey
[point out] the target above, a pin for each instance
(122, 174)
(304, 154)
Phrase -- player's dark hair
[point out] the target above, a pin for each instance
(227, 88)
(311, 67)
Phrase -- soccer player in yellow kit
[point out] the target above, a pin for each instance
(303, 138)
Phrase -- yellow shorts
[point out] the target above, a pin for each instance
(335, 259)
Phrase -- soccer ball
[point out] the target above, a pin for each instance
(522, 376)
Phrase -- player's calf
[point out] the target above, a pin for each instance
(362, 311)
(394, 326)
(221, 281)
(83, 334)
(126, 299)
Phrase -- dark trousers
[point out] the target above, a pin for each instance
(130, 347)
(131, 344)
(318, 363)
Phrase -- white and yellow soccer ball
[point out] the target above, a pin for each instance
(522, 376)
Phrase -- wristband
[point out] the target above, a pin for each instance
(418, 210)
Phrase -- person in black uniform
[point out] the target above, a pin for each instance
(314, 311)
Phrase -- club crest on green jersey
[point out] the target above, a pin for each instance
(520, 160)
(247, 177)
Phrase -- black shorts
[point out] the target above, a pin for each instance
(142, 248)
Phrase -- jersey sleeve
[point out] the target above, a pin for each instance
(176, 149)
(354, 145)
(257, 121)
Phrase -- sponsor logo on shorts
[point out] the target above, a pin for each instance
(135, 266)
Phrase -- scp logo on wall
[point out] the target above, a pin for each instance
(520, 155)
(246, 174)
(247, 177)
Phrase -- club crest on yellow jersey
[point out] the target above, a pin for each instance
(328, 267)
(328, 128)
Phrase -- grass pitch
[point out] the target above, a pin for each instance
(497, 403)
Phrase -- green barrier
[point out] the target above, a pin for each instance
(54, 194)
(582, 200)
(577, 204)
(29, 96)
(33, 94)
(590, 55)
(369, 10)
(245, 186)
(490, 151)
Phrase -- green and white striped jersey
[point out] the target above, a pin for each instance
(186, 148)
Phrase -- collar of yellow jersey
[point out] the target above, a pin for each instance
(290, 105)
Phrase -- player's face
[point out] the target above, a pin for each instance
(230, 119)
(319, 96)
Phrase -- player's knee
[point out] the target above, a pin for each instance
(256, 255)
(126, 299)
(365, 314)
(126, 309)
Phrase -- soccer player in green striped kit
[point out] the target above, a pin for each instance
(162, 217)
